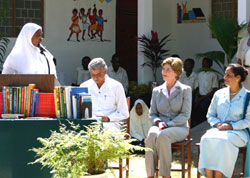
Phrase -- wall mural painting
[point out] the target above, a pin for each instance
(87, 23)
(194, 15)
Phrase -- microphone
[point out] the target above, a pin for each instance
(42, 52)
(41, 49)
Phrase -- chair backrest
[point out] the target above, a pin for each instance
(128, 120)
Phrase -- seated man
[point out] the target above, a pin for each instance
(82, 72)
(118, 73)
(189, 77)
(207, 85)
(108, 97)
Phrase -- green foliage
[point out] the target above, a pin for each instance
(72, 152)
(4, 10)
(3, 47)
(152, 48)
(138, 90)
(225, 29)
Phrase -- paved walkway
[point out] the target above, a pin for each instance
(137, 165)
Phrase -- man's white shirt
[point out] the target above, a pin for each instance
(109, 100)
(120, 75)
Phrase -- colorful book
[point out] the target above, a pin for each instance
(30, 87)
(11, 98)
(3, 99)
(68, 102)
(19, 99)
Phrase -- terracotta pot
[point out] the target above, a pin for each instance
(104, 175)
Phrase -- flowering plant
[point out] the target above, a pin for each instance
(152, 48)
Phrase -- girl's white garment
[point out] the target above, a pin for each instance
(139, 125)
(25, 58)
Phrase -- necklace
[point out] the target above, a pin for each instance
(232, 94)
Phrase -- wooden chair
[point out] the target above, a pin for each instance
(181, 147)
(125, 167)
(242, 151)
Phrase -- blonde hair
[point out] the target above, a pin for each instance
(175, 63)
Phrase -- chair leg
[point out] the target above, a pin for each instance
(157, 167)
(182, 162)
(127, 167)
(189, 160)
(120, 168)
(244, 160)
(198, 173)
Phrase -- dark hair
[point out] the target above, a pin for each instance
(115, 56)
(86, 58)
(74, 10)
(238, 70)
(82, 9)
(175, 55)
(210, 61)
(190, 60)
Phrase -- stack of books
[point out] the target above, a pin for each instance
(72, 102)
(65, 102)
(20, 100)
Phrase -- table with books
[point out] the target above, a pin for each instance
(18, 136)
(37, 100)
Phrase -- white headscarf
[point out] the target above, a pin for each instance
(139, 125)
(25, 58)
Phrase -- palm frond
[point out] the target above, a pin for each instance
(3, 47)
(225, 29)
(217, 56)
(211, 70)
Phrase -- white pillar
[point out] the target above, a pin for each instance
(243, 11)
(145, 19)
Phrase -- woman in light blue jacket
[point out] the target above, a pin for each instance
(220, 144)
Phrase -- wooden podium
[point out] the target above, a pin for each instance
(44, 82)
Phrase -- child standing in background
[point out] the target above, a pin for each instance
(74, 28)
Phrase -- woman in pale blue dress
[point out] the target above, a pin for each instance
(220, 144)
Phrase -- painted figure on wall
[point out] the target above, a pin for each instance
(88, 22)
(84, 19)
(74, 28)
(100, 22)
(93, 23)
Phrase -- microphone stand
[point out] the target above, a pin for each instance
(42, 52)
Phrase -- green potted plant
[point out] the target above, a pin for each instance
(152, 48)
(225, 30)
(75, 153)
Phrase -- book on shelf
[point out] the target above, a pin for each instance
(199, 14)
(64, 102)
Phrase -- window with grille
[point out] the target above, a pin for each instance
(15, 13)
(225, 8)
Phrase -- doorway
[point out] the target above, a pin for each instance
(126, 36)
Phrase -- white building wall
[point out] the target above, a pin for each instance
(57, 20)
(145, 22)
(186, 39)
